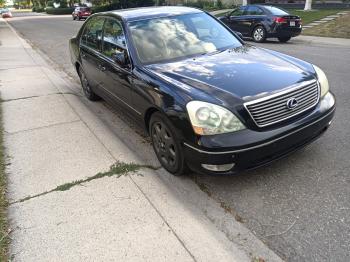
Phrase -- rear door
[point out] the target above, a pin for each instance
(90, 48)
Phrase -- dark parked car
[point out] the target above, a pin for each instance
(208, 100)
(81, 13)
(261, 22)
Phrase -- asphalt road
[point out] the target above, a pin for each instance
(299, 206)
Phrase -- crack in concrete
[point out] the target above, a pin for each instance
(29, 97)
(41, 127)
(118, 169)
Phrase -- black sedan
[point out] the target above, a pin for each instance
(209, 101)
(261, 22)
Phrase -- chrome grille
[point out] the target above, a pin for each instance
(273, 109)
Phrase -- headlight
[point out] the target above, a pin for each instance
(321, 76)
(210, 119)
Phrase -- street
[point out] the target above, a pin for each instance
(299, 206)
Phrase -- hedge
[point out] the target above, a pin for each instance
(38, 9)
(59, 11)
(103, 8)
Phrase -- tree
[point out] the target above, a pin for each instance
(2, 3)
(308, 5)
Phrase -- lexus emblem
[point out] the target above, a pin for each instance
(292, 103)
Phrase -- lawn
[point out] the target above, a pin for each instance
(313, 15)
(336, 28)
(4, 240)
(307, 16)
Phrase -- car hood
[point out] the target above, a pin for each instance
(246, 72)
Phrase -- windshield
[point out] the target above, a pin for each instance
(168, 38)
(276, 11)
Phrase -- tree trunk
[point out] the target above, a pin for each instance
(308, 5)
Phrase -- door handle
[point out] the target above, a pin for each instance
(83, 55)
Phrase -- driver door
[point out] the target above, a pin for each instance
(117, 78)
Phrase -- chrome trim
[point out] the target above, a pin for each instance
(288, 90)
(261, 145)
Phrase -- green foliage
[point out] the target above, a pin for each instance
(59, 11)
(107, 5)
(49, 4)
(205, 4)
(38, 9)
(63, 3)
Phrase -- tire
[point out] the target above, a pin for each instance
(73, 18)
(86, 86)
(259, 34)
(166, 145)
(284, 39)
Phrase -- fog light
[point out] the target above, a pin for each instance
(218, 168)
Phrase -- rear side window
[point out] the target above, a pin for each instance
(237, 12)
(113, 38)
(253, 10)
(275, 10)
(92, 35)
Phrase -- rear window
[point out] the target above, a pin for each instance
(276, 11)
(85, 9)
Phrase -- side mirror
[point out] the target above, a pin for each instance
(120, 57)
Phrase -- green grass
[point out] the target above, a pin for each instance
(336, 28)
(308, 16)
(4, 239)
(118, 169)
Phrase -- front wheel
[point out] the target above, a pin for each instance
(166, 145)
(259, 34)
(284, 39)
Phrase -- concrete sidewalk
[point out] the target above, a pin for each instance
(53, 137)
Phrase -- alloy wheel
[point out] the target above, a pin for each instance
(258, 34)
(85, 84)
(164, 145)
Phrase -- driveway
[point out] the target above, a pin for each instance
(299, 206)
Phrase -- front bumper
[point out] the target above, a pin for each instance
(250, 149)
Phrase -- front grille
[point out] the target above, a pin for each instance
(273, 109)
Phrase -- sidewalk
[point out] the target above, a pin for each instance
(54, 137)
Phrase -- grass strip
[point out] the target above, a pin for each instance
(118, 169)
(4, 233)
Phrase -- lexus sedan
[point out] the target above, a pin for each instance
(261, 22)
(209, 101)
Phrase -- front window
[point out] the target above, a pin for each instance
(169, 38)
(113, 38)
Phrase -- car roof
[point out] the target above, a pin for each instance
(134, 14)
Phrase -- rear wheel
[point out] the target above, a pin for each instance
(284, 39)
(86, 86)
(166, 145)
(259, 34)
